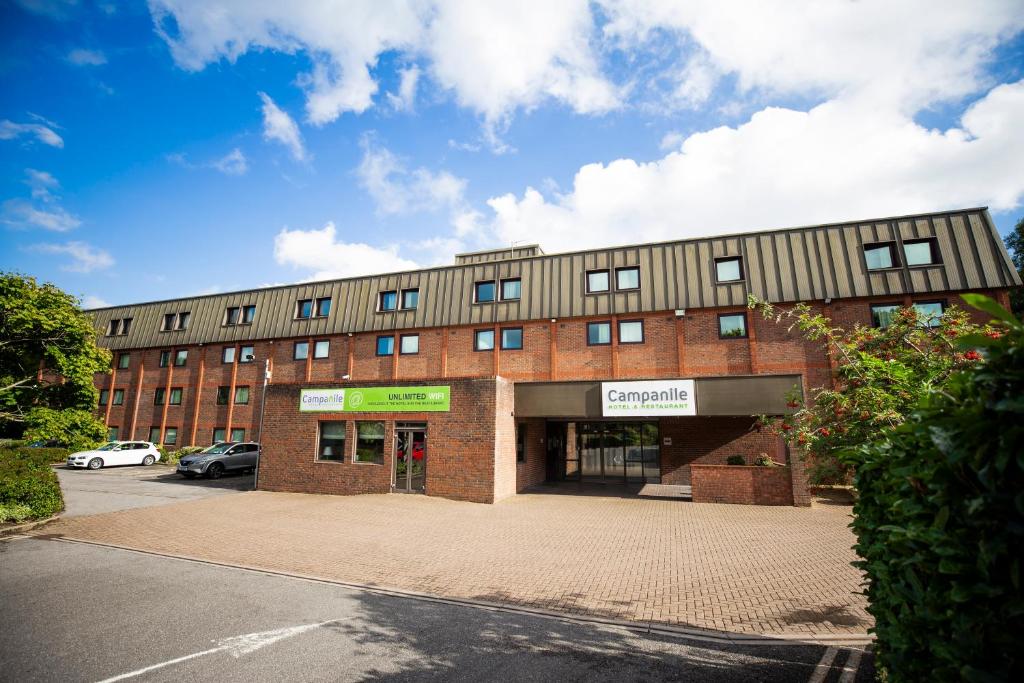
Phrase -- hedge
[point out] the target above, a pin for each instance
(26, 479)
(940, 524)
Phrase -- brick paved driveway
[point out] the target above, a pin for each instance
(732, 568)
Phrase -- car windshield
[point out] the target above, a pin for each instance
(109, 446)
(218, 448)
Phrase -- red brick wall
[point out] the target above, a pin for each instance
(711, 440)
(532, 471)
(505, 474)
(742, 485)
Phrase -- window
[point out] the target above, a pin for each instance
(228, 355)
(728, 269)
(410, 298)
(123, 360)
(241, 396)
(231, 316)
(597, 281)
(154, 434)
(521, 434)
(183, 321)
(222, 395)
(321, 349)
(511, 289)
(118, 397)
(165, 358)
(409, 343)
(483, 340)
(631, 332)
(627, 278)
(304, 308)
(369, 442)
(732, 325)
(512, 338)
(301, 351)
(113, 327)
(930, 312)
(332, 442)
(483, 292)
(323, 307)
(159, 396)
(180, 356)
(387, 301)
(385, 346)
(168, 322)
(246, 355)
(171, 436)
(879, 256)
(237, 434)
(248, 314)
(111, 433)
(176, 396)
(883, 314)
(924, 252)
(218, 434)
(599, 334)
(104, 396)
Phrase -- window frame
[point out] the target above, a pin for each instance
(476, 291)
(223, 435)
(599, 322)
(295, 350)
(381, 337)
(158, 435)
(114, 327)
(318, 304)
(181, 396)
(123, 361)
(894, 262)
(501, 286)
(643, 332)
(117, 397)
(401, 344)
(515, 328)
(223, 396)
(248, 314)
(165, 358)
(383, 443)
(126, 325)
(339, 457)
(403, 304)
(168, 322)
(596, 271)
(746, 327)
(299, 307)
(739, 264)
(871, 311)
(933, 248)
(104, 398)
(248, 393)
(380, 301)
(242, 354)
(943, 304)
(231, 436)
(316, 349)
(184, 359)
(182, 320)
(623, 269)
(229, 319)
(476, 340)
(224, 353)
(168, 431)
(159, 396)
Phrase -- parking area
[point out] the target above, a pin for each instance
(90, 492)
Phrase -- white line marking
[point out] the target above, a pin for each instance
(824, 666)
(236, 646)
(850, 668)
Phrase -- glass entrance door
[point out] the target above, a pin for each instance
(618, 451)
(410, 474)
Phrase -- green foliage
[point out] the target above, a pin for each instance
(1015, 244)
(79, 430)
(26, 479)
(765, 460)
(169, 457)
(735, 460)
(940, 522)
(15, 513)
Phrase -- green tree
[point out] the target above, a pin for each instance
(42, 326)
(1015, 243)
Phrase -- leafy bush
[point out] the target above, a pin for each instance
(26, 479)
(940, 522)
(735, 460)
(16, 513)
(765, 460)
(79, 429)
(169, 457)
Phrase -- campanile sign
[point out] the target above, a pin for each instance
(640, 399)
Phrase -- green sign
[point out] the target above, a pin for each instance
(376, 400)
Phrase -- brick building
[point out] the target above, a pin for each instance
(511, 367)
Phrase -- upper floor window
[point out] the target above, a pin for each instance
(882, 314)
(301, 351)
(321, 349)
(240, 315)
(483, 340)
(732, 325)
(631, 331)
(304, 308)
(183, 319)
(409, 344)
(597, 281)
(104, 396)
(223, 394)
(387, 301)
(158, 396)
(511, 289)
(922, 252)
(410, 298)
(176, 396)
(118, 397)
(228, 354)
(119, 326)
(627, 278)
(248, 314)
(231, 315)
(599, 334)
(512, 338)
(175, 321)
(313, 308)
(385, 345)
(123, 359)
(323, 307)
(169, 321)
(483, 292)
(241, 395)
(165, 358)
(728, 269)
(930, 312)
(880, 256)
(246, 354)
(180, 356)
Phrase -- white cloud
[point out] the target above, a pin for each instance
(406, 97)
(280, 127)
(842, 159)
(82, 57)
(321, 252)
(85, 258)
(232, 163)
(41, 183)
(671, 140)
(396, 189)
(9, 130)
(91, 301)
(20, 213)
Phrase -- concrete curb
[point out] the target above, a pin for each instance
(28, 526)
(852, 640)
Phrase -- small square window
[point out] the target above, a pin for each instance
(599, 334)
(597, 281)
(170, 436)
(369, 442)
(104, 396)
(165, 358)
(930, 312)
(304, 308)
(627, 278)
(114, 327)
(921, 252)
(237, 434)
(168, 322)
(154, 434)
(231, 316)
(732, 325)
(410, 343)
(385, 346)
(180, 356)
(483, 340)
(323, 307)
(388, 301)
(332, 442)
(512, 338)
(728, 269)
(321, 349)
(879, 256)
(222, 395)
(118, 397)
(126, 324)
(158, 396)
(218, 434)
(410, 299)
(301, 351)
(631, 332)
(241, 396)
(228, 354)
(123, 360)
(183, 319)
(483, 292)
(882, 314)
(248, 314)
(246, 355)
(511, 289)
(176, 396)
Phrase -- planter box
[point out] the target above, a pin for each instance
(744, 485)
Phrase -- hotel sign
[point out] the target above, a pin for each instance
(376, 400)
(640, 399)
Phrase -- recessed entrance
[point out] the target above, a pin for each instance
(410, 471)
(615, 452)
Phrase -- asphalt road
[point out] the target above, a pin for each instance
(76, 612)
(90, 492)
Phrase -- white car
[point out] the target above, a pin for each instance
(116, 453)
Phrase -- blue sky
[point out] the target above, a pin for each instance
(174, 148)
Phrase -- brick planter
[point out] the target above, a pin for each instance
(743, 485)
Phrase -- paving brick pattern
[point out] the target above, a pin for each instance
(733, 568)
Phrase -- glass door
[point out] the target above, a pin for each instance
(410, 474)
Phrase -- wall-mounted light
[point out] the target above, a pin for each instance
(828, 300)
(680, 312)
(346, 377)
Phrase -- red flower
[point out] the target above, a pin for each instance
(972, 355)
(786, 427)
(825, 431)
(992, 334)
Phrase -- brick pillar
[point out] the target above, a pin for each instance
(444, 352)
(615, 346)
(553, 333)
(138, 395)
(231, 395)
(197, 397)
(110, 395)
(309, 359)
(167, 397)
(798, 476)
(681, 346)
(752, 342)
(351, 355)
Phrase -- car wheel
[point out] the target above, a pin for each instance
(215, 470)
(148, 460)
(95, 463)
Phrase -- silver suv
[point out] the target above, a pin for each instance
(219, 458)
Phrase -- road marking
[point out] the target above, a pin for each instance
(850, 668)
(824, 666)
(236, 646)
